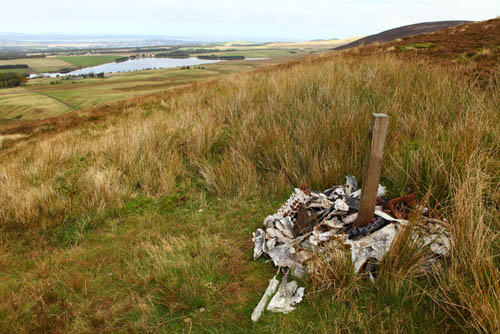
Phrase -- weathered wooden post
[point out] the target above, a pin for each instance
(372, 169)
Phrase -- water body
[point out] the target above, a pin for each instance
(134, 65)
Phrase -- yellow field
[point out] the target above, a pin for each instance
(39, 64)
(327, 44)
(17, 103)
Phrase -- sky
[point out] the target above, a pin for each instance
(259, 20)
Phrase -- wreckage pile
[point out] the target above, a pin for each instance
(309, 221)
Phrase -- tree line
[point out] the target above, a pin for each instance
(12, 66)
(11, 79)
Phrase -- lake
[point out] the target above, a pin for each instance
(134, 65)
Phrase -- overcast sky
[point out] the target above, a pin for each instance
(226, 19)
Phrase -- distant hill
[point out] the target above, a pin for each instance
(326, 43)
(402, 32)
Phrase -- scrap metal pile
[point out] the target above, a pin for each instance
(309, 221)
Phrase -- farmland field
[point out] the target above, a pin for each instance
(39, 65)
(257, 53)
(21, 103)
(87, 61)
(54, 64)
(54, 96)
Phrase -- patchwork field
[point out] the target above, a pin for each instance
(49, 97)
(39, 65)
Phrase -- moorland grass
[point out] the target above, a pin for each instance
(142, 223)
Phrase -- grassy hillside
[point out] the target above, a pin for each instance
(473, 49)
(141, 222)
(402, 32)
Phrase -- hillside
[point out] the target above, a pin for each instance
(401, 32)
(136, 217)
(473, 48)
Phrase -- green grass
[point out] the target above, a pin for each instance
(183, 265)
(16, 70)
(88, 61)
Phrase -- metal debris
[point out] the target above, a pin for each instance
(289, 294)
(270, 291)
(310, 220)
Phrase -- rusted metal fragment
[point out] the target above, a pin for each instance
(298, 198)
(304, 220)
(408, 200)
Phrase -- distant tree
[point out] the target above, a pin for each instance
(11, 79)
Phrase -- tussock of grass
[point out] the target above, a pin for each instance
(246, 140)
(416, 46)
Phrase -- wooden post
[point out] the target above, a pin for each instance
(372, 169)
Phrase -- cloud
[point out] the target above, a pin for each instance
(290, 19)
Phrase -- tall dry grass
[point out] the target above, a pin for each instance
(260, 135)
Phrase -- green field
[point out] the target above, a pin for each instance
(88, 61)
(15, 70)
(54, 64)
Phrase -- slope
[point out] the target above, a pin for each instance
(473, 49)
(402, 32)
